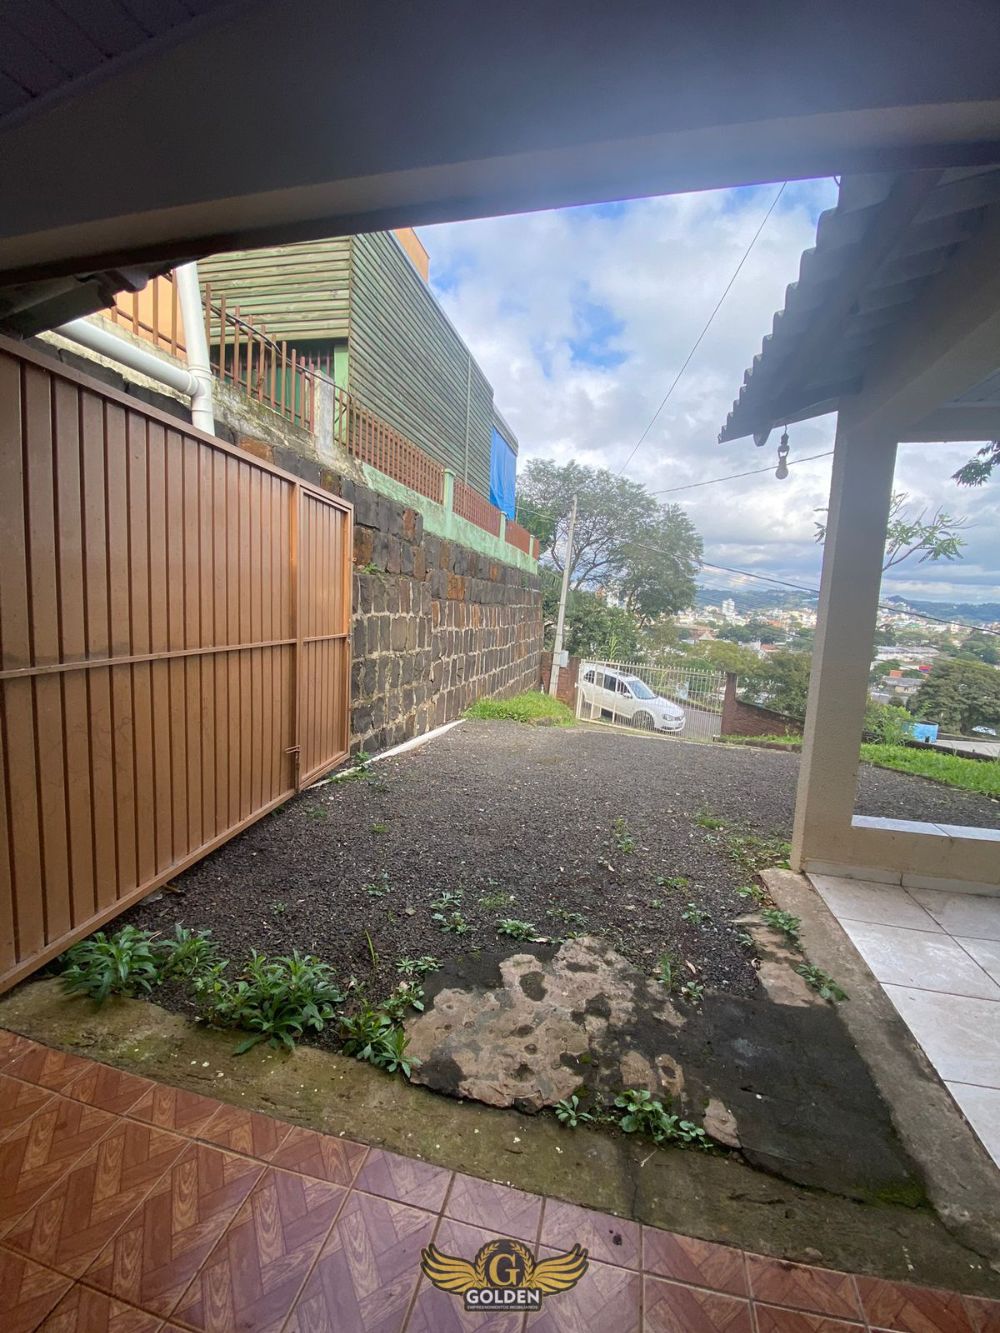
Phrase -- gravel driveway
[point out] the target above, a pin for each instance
(520, 821)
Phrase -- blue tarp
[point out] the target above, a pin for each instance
(924, 731)
(503, 474)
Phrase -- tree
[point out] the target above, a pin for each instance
(979, 468)
(982, 647)
(593, 628)
(624, 542)
(782, 683)
(960, 695)
(933, 538)
(726, 656)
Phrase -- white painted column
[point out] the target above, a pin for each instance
(860, 495)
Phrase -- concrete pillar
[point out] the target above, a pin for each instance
(448, 499)
(860, 495)
(323, 417)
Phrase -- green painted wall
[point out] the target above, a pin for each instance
(409, 365)
(297, 291)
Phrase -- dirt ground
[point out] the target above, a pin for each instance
(521, 822)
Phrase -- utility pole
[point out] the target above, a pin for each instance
(560, 622)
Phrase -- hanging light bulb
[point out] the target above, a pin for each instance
(781, 472)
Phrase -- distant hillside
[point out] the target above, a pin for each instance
(982, 612)
(752, 599)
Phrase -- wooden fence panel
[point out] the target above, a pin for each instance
(174, 650)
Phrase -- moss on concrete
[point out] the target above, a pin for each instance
(716, 1198)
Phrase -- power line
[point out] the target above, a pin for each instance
(708, 325)
(814, 592)
(733, 476)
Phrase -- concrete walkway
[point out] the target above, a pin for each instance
(132, 1206)
(937, 956)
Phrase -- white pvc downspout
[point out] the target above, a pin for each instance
(196, 341)
(195, 381)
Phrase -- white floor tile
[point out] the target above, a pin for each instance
(960, 1035)
(920, 959)
(965, 914)
(982, 1110)
(863, 900)
(985, 952)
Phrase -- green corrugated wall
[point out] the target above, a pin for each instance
(409, 365)
(296, 291)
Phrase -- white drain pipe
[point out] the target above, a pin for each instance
(196, 341)
(195, 381)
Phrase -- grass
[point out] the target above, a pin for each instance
(950, 769)
(530, 707)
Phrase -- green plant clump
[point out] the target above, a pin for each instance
(187, 954)
(275, 999)
(695, 915)
(783, 921)
(569, 1112)
(531, 707)
(623, 839)
(372, 1036)
(821, 981)
(642, 1113)
(517, 930)
(418, 967)
(452, 923)
(121, 964)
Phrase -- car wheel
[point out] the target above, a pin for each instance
(643, 721)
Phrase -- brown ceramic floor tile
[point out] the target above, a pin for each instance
(86, 1207)
(12, 1046)
(83, 1310)
(613, 1240)
(154, 1256)
(320, 1155)
(43, 1149)
(18, 1102)
(697, 1262)
(246, 1132)
(776, 1319)
(670, 1307)
(983, 1314)
(908, 1309)
(47, 1067)
(605, 1300)
(367, 1271)
(436, 1311)
(175, 1109)
(28, 1292)
(108, 1088)
(252, 1277)
(818, 1290)
(420, 1184)
(498, 1208)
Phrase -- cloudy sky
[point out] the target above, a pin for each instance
(582, 317)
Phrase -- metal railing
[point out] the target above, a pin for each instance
(375, 442)
(153, 314)
(242, 354)
(663, 700)
(469, 504)
(286, 381)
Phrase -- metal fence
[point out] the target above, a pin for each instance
(675, 700)
(175, 656)
(153, 314)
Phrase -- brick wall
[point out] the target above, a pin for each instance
(568, 676)
(743, 719)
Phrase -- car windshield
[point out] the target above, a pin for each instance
(639, 688)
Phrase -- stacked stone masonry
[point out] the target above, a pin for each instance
(435, 626)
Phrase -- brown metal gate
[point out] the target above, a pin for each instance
(174, 649)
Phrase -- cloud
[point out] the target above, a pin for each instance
(581, 319)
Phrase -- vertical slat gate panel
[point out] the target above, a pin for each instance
(158, 663)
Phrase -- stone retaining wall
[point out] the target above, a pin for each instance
(743, 719)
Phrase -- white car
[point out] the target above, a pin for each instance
(624, 697)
